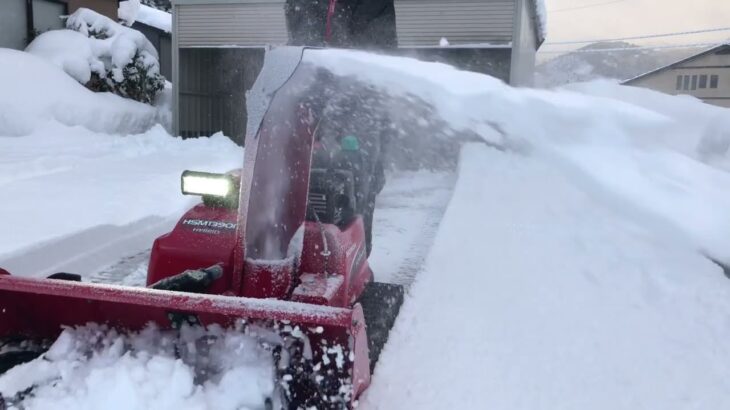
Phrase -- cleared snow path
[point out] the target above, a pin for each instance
(407, 216)
(536, 295)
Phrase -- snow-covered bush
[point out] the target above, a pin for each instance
(36, 93)
(127, 11)
(103, 55)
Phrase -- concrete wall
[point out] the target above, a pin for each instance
(14, 30)
(47, 15)
(13, 24)
(524, 45)
(672, 80)
(105, 7)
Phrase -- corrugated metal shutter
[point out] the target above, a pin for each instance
(425, 22)
(243, 24)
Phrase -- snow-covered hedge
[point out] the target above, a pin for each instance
(35, 93)
(103, 55)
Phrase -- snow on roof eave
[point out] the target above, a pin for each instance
(152, 17)
(682, 61)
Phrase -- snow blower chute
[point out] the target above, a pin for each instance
(275, 243)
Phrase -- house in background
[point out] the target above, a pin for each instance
(22, 20)
(705, 76)
(218, 45)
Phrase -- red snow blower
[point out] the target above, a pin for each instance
(274, 244)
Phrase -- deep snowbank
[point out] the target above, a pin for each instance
(699, 130)
(35, 92)
(538, 295)
(626, 144)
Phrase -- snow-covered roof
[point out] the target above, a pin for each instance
(153, 17)
(682, 61)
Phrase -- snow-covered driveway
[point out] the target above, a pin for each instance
(74, 200)
(538, 296)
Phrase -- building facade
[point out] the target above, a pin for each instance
(22, 20)
(705, 76)
(218, 45)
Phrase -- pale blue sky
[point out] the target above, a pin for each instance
(597, 19)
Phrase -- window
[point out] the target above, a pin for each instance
(686, 83)
(714, 80)
(679, 82)
(694, 82)
(703, 81)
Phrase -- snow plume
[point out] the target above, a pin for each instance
(622, 142)
(94, 367)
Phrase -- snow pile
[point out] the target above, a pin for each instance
(128, 11)
(69, 50)
(106, 190)
(155, 18)
(93, 367)
(537, 294)
(115, 58)
(624, 150)
(36, 92)
(120, 43)
(696, 127)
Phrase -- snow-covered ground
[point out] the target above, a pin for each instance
(407, 215)
(571, 270)
(538, 295)
(81, 199)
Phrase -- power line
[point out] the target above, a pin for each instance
(587, 6)
(648, 36)
(603, 50)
